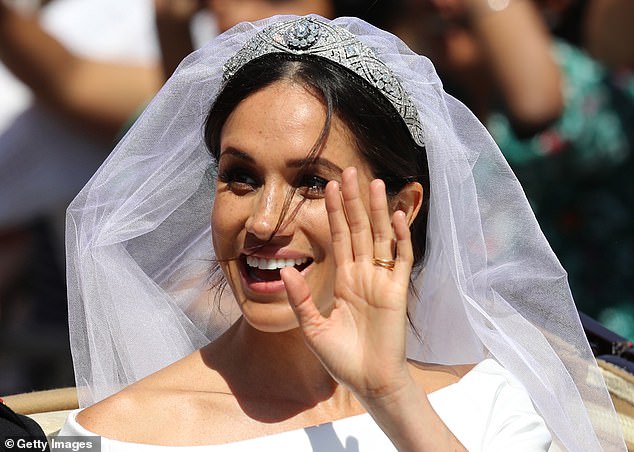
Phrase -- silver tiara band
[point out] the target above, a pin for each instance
(308, 36)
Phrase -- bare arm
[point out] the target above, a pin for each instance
(98, 95)
(517, 48)
(609, 32)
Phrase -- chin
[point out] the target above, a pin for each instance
(269, 317)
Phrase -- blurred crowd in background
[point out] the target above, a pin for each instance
(552, 80)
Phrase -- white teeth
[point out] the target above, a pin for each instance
(272, 264)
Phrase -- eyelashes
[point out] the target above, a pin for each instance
(241, 181)
(312, 186)
(238, 180)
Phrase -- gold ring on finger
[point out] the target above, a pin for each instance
(384, 263)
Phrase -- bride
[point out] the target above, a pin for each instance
(377, 278)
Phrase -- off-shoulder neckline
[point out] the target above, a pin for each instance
(482, 366)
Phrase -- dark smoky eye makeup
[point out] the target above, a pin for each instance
(311, 185)
(238, 176)
(312, 179)
(242, 174)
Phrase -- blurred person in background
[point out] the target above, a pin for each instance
(602, 27)
(174, 18)
(73, 72)
(562, 119)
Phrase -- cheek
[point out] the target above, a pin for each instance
(314, 225)
(226, 224)
(315, 230)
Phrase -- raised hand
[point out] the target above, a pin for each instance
(362, 342)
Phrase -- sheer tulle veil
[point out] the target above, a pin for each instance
(139, 251)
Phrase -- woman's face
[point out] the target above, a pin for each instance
(263, 144)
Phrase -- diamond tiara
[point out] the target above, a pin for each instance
(308, 36)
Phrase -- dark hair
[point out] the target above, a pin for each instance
(381, 136)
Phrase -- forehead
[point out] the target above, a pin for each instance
(288, 118)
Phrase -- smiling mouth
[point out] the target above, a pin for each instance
(260, 269)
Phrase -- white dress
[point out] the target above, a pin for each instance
(487, 410)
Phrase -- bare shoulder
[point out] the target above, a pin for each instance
(433, 377)
(140, 412)
(114, 416)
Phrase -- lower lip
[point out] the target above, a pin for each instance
(264, 287)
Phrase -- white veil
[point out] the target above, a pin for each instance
(139, 252)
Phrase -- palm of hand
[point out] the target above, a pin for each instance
(362, 342)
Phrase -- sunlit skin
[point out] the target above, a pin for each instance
(352, 313)
(347, 307)
(316, 343)
(256, 172)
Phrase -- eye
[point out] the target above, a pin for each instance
(239, 180)
(311, 186)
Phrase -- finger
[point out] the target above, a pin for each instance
(301, 301)
(359, 223)
(339, 231)
(382, 231)
(404, 251)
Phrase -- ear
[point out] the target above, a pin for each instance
(408, 200)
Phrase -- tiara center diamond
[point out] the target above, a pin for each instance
(302, 35)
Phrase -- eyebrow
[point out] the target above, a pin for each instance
(237, 154)
(319, 161)
(295, 163)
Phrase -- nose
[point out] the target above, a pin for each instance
(267, 211)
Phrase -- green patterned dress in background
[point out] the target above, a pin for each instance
(579, 177)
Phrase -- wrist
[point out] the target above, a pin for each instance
(409, 420)
(400, 390)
